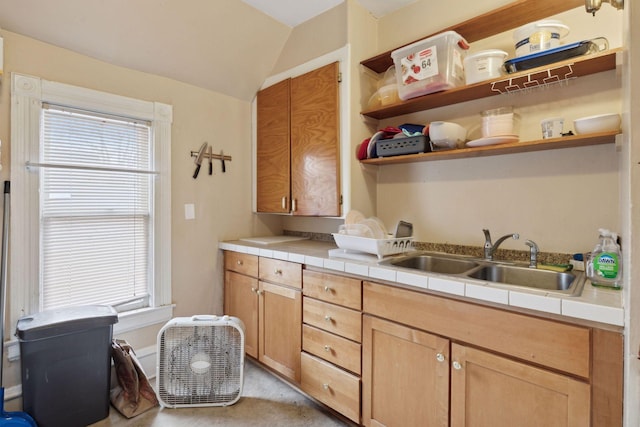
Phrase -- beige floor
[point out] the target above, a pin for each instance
(266, 401)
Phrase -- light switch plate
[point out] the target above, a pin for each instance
(189, 211)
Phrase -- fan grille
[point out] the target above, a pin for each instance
(200, 365)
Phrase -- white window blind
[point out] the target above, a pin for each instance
(96, 208)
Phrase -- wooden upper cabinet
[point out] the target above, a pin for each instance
(273, 184)
(315, 143)
(298, 145)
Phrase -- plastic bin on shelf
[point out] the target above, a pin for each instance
(66, 364)
(430, 65)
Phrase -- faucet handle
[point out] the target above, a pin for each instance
(533, 253)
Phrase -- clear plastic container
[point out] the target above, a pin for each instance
(430, 65)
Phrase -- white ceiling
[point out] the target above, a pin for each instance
(295, 12)
(199, 42)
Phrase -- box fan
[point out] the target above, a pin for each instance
(200, 361)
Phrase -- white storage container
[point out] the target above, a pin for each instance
(484, 65)
(430, 65)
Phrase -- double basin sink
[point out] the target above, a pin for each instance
(561, 283)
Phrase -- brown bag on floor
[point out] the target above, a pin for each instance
(134, 395)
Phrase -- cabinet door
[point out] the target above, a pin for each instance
(489, 390)
(315, 143)
(281, 329)
(241, 301)
(405, 376)
(273, 186)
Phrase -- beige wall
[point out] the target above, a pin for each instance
(222, 201)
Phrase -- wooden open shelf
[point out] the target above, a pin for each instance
(480, 27)
(505, 18)
(564, 70)
(493, 150)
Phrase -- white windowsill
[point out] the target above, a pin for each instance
(128, 321)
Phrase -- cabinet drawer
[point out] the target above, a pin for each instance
(332, 386)
(282, 272)
(241, 263)
(334, 289)
(333, 318)
(545, 342)
(332, 348)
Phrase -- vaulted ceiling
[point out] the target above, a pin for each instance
(229, 46)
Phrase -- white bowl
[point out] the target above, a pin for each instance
(595, 124)
(447, 134)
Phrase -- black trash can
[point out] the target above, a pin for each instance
(66, 364)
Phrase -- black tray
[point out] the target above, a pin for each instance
(550, 56)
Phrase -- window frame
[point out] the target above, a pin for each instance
(28, 93)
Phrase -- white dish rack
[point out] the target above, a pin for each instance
(379, 247)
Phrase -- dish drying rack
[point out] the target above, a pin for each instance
(379, 247)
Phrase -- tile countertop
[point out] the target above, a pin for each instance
(595, 304)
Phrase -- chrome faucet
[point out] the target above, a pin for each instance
(490, 248)
(533, 253)
(592, 6)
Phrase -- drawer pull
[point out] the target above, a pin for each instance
(239, 262)
(456, 365)
(328, 318)
(327, 289)
(440, 357)
(277, 271)
(325, 386)
(327, 348)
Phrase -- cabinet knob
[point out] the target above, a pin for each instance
(294, 205)
(254, 290)
(325, 386)
(284, 202)
(440, 357)
(327, 348)
(239, 262)
(328, 318)
(277, 271)
(259, 292)
(327, 289)
(456, 365)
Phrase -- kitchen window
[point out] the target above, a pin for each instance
(90, 202)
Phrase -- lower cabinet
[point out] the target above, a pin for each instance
(241, 301)
(409, 377)
(383, 355)
(405, 376)
(331, 341)
(280, 329)
(489, 390)
(331, 385)
(267, 298)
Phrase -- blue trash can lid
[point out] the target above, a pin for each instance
(64, 321)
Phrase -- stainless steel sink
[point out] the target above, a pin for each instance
(434, 264)
(556, 282)
(561, 283)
